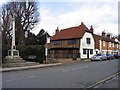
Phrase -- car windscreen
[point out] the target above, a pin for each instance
(98, 54)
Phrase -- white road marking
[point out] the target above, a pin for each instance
(74, 68)
(22, 78)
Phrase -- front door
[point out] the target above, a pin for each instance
(87, 53)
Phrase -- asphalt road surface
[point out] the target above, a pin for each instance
(75, 75)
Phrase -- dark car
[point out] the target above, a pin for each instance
(110, 56)
(99, 57)
(117, 56)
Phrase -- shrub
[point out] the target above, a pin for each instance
(25, 51)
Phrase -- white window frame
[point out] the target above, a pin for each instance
(113, 44)
(109, 44)
(104, 43)
(117, 45)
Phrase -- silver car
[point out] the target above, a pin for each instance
(99, 57)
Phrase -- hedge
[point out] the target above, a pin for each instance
(27, 50)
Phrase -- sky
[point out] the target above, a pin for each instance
(103, 15)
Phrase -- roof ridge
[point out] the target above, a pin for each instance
(69, 28)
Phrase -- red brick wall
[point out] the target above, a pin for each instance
(107, 46)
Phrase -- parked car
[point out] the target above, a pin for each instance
(110, 56)
(99, 57)
(117, 56)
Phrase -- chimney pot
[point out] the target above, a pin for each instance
(103, 33)
(82, 23)
(91, 28)
(108, 35)
(57, 30)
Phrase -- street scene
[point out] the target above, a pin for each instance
(75, 75)
(59, 45)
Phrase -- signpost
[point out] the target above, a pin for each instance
(46, 50)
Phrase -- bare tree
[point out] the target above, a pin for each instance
(26, 16)
(5, 25)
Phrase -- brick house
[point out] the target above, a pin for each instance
(105, 44)
(72, 42)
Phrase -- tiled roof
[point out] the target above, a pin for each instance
(73, 32)
(103, 38)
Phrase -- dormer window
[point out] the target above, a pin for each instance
(88, 40)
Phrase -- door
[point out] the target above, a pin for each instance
(87, 53)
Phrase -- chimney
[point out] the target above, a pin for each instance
(57, 30)
(108, 35)
(91, 28)
(113, 38)
(103, 33)
(82, 23)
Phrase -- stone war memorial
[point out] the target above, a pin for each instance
(13, 58)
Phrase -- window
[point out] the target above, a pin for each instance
(84, 51)
(117, 45)
(71, 41)
(104, 43)
(109, 44)
(91, 51)
(56, 42)
(56, 51)
(113, 44)
(88, 40)
(96, 52)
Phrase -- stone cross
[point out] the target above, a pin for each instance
(13, 52)
(13, 35)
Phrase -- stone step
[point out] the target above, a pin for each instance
(31, 63)
(15, 61)
(20, 64)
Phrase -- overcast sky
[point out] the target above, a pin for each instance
(102, 15)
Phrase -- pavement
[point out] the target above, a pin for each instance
(109, 82)
(35, 66)
(113, 83)
(28, 67)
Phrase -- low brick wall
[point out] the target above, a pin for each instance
(68, 60)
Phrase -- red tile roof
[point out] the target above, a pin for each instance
(73, 32)
(103, 38)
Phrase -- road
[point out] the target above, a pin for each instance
(75, 75)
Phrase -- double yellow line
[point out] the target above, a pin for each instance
(101, 81)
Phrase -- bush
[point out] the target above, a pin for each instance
(28, 50)
(4, 52)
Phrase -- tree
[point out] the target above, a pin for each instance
(5, 25)
(26, 17)
(31, 39)
(41, 36)
(119, 36)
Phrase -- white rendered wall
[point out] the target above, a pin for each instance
(84, 45)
